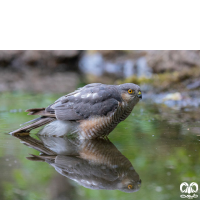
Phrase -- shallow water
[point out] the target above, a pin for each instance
(160, 145)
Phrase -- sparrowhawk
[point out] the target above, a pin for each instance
(95, 164)
(96, 107)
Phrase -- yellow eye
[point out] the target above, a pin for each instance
(139, 92)
(130, 187)
(130, 91)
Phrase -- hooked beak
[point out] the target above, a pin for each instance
(139, 95)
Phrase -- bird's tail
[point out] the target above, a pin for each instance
(42, 158)
(35, 144)
(40, 121)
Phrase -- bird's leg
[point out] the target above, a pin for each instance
(106, 137)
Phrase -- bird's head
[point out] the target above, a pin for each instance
(127, 185)
(130, 92)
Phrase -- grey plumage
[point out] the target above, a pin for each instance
(97, 107)
(91, 100)
(95, 164)
(38, 122)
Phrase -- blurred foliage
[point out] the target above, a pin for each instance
(164, 154)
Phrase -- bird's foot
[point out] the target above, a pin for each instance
(106, 137)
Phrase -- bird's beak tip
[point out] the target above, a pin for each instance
(139, 95)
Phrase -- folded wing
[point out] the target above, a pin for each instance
(93, 100)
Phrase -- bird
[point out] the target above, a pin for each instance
(97, 109)
(95, 164)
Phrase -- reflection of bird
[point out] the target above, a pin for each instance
(95, 164)
(98, 108)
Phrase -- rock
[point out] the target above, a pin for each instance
(45, 60)
(39, 71)
(163, 61)
(194, 85)
(173, 96)
(35, 82)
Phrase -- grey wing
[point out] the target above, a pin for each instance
(65, 97)
(91, 100)
(76, 167)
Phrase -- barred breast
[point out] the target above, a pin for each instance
(102, 126)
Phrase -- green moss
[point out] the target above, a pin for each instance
(165, 80)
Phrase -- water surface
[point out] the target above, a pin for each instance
(160, 143)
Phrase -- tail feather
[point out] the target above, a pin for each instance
(35, 144)
(36, 123)
(34, 111)
(41, 158)
(31, 121)
(41, 111)
(35, 158)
